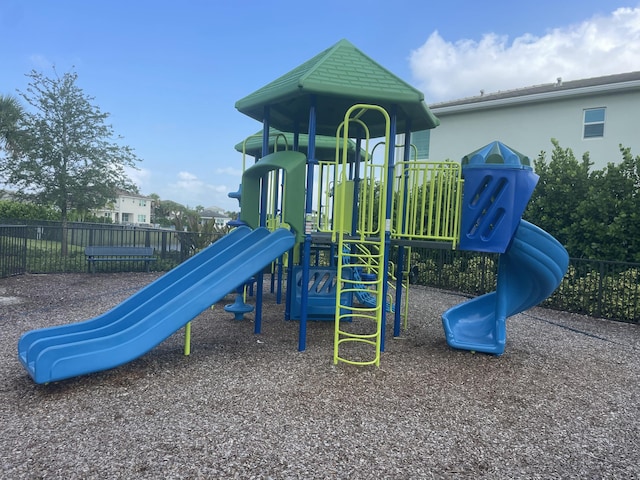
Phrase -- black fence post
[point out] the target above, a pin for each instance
(600, 290)
(163, 247)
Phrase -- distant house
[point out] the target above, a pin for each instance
(128, 209)
(592, 115)
(215, 215)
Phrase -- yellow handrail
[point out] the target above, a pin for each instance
(430, 195)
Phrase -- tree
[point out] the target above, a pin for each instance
(165, 211)
(610, 213)
(11, 114)
(595, 214)
(563, 185)
(12, 211)
(68, 156)
(155, 203)
(193, 233)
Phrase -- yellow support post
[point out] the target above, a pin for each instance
(187, 339)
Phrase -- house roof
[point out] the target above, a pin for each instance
(212, 213)
(123, 193)
(545, 92)
(339, 77)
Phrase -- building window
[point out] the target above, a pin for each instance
(421, 141)
(142, 219)
(142, 203)
(593, 123)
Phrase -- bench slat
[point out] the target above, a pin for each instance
(105, 251)
(118, 254)
(120, 259)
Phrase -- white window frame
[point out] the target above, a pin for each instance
(586, 123)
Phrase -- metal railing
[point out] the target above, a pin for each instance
(596, 288)
(592, 287)
(430, 195)
(38, 248)
(13, 250)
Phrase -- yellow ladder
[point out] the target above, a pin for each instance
(358, 326)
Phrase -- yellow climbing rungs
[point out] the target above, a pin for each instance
(367, 314)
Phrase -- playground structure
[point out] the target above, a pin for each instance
(324, 204)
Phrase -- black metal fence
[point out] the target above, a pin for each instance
(13, 250)
(592, 287)
(38, 248)
(600, 289)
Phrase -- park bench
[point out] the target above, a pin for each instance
(118, 254)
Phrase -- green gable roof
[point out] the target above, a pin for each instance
(339, 77)
(325, 146)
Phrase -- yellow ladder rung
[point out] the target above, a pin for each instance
(357, 336)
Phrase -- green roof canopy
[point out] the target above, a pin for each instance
(339, 77)
(325, 146)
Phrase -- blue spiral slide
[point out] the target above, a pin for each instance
(529, 271)
(151, 315)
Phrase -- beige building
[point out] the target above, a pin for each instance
(128, 209)
(215, 215)
(592, 115)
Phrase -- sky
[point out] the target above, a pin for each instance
(169, 73)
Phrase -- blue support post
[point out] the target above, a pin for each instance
(306, 250)
(257, 327)
(279, 281)
(290, 287)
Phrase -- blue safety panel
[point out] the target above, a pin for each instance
(493, 203)
(321, 293)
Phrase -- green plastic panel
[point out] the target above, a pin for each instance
(294, 166)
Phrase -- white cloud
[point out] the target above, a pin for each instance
(40, 62)
(601, 45)
(189, 189)
(188, 182)
(140, 177)
(236, 172)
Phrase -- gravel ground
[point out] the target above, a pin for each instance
(562, 402)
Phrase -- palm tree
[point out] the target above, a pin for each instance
(11, 112)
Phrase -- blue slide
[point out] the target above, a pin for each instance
(151, 315)
(363, 296)
(529, 271)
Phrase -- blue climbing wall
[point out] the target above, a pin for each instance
(498, 183)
